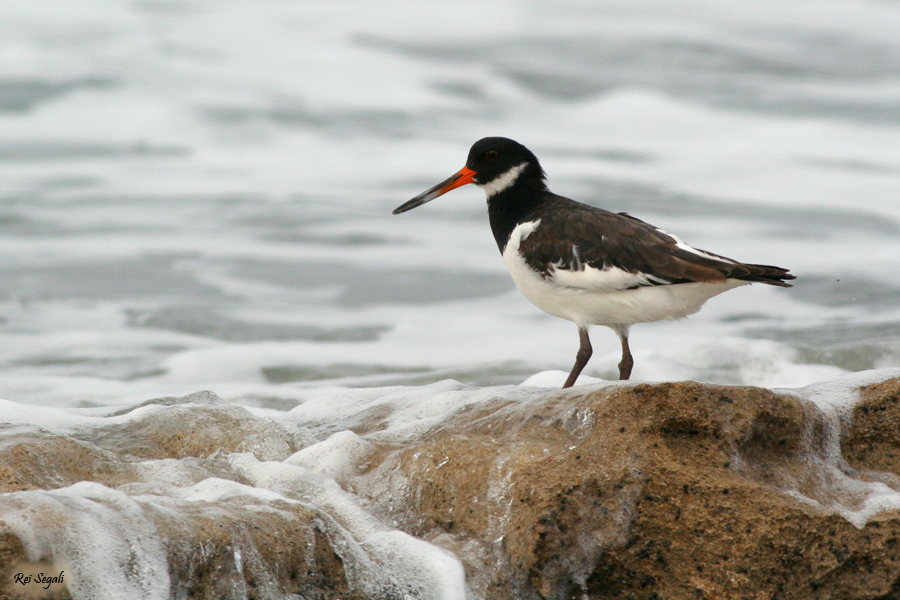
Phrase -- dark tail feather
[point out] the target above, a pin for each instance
(762, 274)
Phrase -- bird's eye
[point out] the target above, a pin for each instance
(490, 154)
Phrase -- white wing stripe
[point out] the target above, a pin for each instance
(607, 279)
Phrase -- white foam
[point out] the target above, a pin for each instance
(404, 413)
(215, 489)
(416, 567)
(555, 379)
(842, 393)
(432, 573)
(340, 456)
(831, 485)
(101, 536)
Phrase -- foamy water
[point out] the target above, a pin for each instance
(197, 195)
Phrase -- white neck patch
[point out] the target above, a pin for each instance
(504, 181)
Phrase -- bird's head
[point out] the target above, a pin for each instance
(495, 164)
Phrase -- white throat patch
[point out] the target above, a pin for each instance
(504, 181)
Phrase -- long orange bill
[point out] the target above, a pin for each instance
(464, 176)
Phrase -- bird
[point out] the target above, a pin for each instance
(586, 264)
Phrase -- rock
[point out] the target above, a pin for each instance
(677, 490)
(281, 553)
(227, 550)
(670, 491)
(870, 438)
(44, 461)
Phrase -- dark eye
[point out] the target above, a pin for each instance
(490, 154)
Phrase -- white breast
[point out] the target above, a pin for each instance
(599, 296)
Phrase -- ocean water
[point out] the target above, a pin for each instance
(196, 195)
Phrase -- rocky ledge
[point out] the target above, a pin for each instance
(668, 491)
(677, 490)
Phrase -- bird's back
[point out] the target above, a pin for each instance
(571, 236)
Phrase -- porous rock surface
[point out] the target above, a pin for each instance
(668, 491)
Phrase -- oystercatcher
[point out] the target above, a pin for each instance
(586, 264)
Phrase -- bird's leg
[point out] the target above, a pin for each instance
(627, 361)
(582, 358)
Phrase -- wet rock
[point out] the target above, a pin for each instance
(44, 461)
(669, 491)
(136, 506)
(870, 440)
(677, 490)
(197, 425)
(210, 551)
(231, 553)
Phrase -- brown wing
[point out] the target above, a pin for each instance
(572, 235)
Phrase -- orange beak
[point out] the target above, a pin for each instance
(464, 176)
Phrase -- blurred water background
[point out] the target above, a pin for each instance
(196, 194)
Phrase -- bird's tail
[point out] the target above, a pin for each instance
(762, 274)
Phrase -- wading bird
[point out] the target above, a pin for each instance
(586, 264)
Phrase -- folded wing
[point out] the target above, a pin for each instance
(602, 250)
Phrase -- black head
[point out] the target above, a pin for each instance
(494, 163)
(494, 157)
